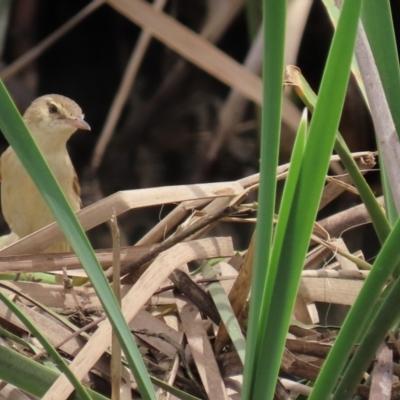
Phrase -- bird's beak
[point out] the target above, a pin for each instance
(78, 123)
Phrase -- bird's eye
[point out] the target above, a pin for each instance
(53, 109)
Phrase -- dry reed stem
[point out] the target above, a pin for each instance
(149, 282)
(123, 91)
(122, 202)
(385, 128)
(191, 46)
(200, 52)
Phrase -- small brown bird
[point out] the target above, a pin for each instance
(51, 119)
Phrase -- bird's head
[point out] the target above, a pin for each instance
(54, 118)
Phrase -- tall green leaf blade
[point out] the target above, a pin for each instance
(266, 375)
(284, 212)
(378, 217)
(22, 142)
(274, 14)
(324, 125)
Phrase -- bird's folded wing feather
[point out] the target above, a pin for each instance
(75, 185)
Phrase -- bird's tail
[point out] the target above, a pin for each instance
(6, 240)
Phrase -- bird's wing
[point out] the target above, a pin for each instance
(76, 187)
(6, 240)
